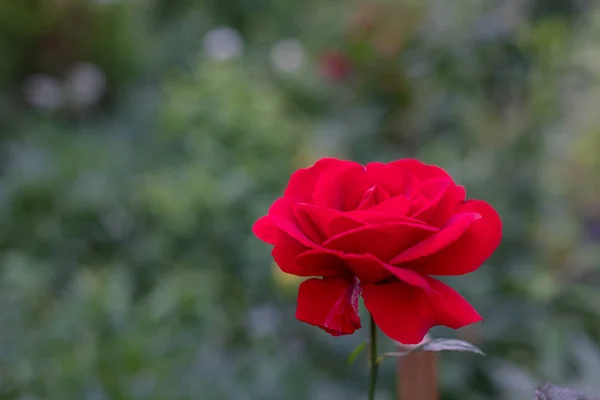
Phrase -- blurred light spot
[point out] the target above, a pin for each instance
(30, 164)
(85, 84)
(288, 55)
(262, 321)
(143, 386)
(330, 135)
(117, 222)
(236, 184)
(211, 362)
(515, 381)
(283, 279)
(43, 92)
(91, 189)
(418, 69)
(96, 394)
(223, 43)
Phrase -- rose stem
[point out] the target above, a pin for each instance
(373, 359)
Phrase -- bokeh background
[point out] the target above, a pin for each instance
(139, 140)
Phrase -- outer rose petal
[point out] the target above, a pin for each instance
(421, 170)
(282, 216)
(401, 312)
(265, 230)
(434, 244)
(406, 314)
(287, 249)
(330, 303)
(366, 267)
(442, 206)
(449, 308)
(395, 182)
(328, 221)
(302, 183)
(311, 228)
(384, 241)
(467, 254)
(335, 187)
(432, 191)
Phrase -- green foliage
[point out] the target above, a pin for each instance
(39, 36)
(128, 268)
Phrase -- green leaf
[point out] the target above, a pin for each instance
(439, 345)
(450, 345)
(356, 352)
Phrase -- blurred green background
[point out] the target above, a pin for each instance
(139, 140)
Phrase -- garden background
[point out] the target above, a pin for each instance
(139, 140)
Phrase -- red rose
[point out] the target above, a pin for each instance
(379, 231)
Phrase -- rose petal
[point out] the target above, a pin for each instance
(395, 181)
(286, 251)
(421, 170)
(434, 189)
(282, 216)
(330, 303)
(444, 238)
(372, 217)
(319, 222)
(372, 197)
(329, 222)
(406, 313)
(384, 241)
(311, 227)
(335, 186)
(366, 267)
(443, 203)
(399, 205)
(473, 247)
(265, 230)
(400, 311)
(418, 203)
(405, 275)
(301, 185)
(449, 308)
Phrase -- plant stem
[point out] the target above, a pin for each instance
(373, 359)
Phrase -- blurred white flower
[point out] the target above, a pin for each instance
(288, 55)
(85, 84)
(223, 43)
(43, 92)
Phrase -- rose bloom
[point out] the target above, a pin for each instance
(380, 231)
